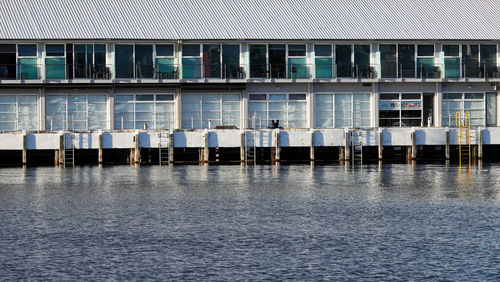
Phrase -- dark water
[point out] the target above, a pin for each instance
(264, 222)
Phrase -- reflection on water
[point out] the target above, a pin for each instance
(305, 222)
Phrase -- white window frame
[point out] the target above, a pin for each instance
(267, 101)
(352, 94)
(462, 101)
(221, 111)
(16, 121)
(400, 100)
(66, 114)
(134, 102)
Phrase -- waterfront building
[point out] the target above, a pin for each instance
(314, 64)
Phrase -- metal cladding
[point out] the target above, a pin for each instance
(251, 19)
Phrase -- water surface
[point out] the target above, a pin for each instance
(265, 222)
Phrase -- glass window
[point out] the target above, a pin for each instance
(406, 60)
(323, 50)
(144, 110)
(297, 63)
(258, 66)
(323, 61)
(7, 61)
(124, 59)
(425, 62)
(191, 61)
(288, 110)
(472, 103)
(18, 112)
(231, 61)
(425, 50)
(452, 61)
(342, 110)
(343, 55)
(489, 60)
(209, 110)
(26, 50)
(491, 109)
(211, 60)
(191, 50)
(403, 109)
(470, 60)
(76, 112)
(144, 61)
(296, 50)
(388, 60)
(362, 61)
(451, 50)
(164, 50)
(54, 50)
(277, 60)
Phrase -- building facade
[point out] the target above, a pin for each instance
(207, 75)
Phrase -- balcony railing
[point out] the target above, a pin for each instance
(345, 71)
(471, 70)
(20, 71)
(220, 71)
(290, 71)
(421, 69)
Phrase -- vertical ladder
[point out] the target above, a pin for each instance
(357, 146)
(69, 154)
(163, 142)
(250, 151)
(463, 136)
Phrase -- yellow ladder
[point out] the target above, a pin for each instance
(464, 150)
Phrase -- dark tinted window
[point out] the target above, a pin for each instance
(389, 96)
(55, 50)
(296, 50)
(7, 48)
(164, 50)
(297, 97)
(26, 50)
(164, 97)
(323, 50)
(425, 50)
(451, 50)
(254, 97)
(410, 96)
(191, 50)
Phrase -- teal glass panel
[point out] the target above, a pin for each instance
(165, 68)
(452, 67)
(425, 67)
(191, 67)
(55, 68)
(324, 67)
(297, 68)
(231, 61)
(124, 63)
(144, 61)
(27, 69)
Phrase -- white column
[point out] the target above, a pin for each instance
(41, 107)
(310, 96)
(111, 108)
(178, 109)
(438, 104)
(374, 106)
(244, 110)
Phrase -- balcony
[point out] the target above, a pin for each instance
(296, 71)
(345, 71)
(456, 70)
(213, 71)
(423, 69)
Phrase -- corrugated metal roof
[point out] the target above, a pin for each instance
(251, 19)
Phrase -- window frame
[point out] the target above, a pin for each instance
(134, 112)
(333, 111)
(16, 121)
(67, 119)
(400, 100)
(268, 101)
(462, 101)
